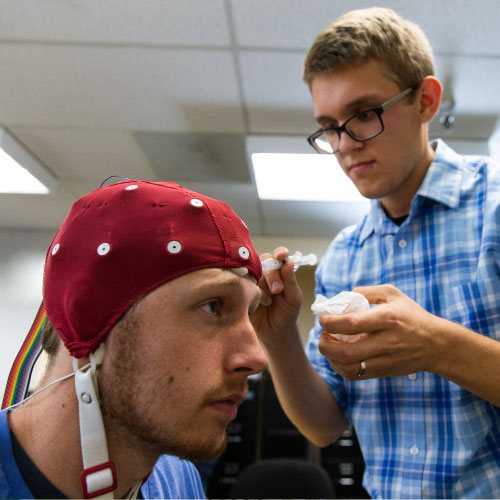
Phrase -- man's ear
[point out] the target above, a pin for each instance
(430, 98)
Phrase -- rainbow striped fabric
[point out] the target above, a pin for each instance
(20, 373)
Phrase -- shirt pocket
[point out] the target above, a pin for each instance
(476, 305)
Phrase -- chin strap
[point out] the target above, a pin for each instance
(98, 475)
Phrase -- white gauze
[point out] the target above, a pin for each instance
(342, 303)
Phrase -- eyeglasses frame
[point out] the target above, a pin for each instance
(378, 110)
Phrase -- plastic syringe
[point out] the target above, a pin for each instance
(297, 258)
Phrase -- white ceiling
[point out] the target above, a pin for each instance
(170, 89)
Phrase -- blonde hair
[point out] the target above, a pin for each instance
(372, 34)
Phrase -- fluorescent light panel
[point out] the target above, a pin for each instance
(284, 172)
(20, 171)
(302, 177)
(16, 179)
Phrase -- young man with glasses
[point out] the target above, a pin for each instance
(421, 391)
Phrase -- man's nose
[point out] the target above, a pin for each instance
(246, 355)
(346, 143)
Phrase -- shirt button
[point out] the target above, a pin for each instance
(402, 243)
(412, 376)
(414, 451)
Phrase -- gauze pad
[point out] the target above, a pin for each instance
(342, 303)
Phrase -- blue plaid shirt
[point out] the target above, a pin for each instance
(423, 436)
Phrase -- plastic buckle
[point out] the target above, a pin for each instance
(99, 477)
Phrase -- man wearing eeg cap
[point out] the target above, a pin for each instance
(150, 287)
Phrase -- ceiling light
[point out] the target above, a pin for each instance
(283, 171)
(20, 171)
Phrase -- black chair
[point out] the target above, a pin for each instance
(283, 478)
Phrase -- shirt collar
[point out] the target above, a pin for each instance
(442, 183)
(443, 180)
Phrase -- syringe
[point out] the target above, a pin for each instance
(297, 258)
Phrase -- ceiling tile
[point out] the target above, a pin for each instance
(287, 24)
(157, 22)
(461, 27)
(141, 89)
(87, 155)
(196, 157)
(452, 26)
(277, 99)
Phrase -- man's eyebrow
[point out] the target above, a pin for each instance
(370, 100)
(219, 282)
(226, 284)
(366, 100)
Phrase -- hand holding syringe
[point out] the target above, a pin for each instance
(297, 258)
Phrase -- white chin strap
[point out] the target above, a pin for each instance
(98, 475)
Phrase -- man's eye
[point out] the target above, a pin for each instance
(330, 132)
(366, 116)
(212, 307)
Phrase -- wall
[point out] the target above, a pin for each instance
(22, 254)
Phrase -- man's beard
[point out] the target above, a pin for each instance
(128, 419)
(196, 452)
(132, 413)
(131, 422)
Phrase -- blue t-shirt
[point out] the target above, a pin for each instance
(171, 477)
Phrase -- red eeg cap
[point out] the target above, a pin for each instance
(124, 240)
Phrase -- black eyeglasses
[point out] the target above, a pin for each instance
(362, 127)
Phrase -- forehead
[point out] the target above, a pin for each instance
(345, 88)
(215, 277)
(206, 281)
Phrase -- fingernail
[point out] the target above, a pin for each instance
(275, 287)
